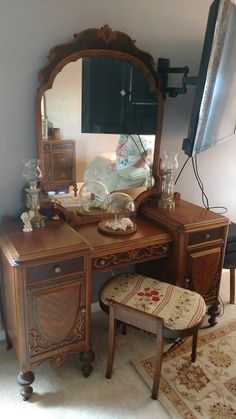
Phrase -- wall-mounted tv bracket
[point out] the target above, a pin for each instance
(163, 69)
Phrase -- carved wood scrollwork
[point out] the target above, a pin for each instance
(87, 43)
(38, 344)
(132, 256)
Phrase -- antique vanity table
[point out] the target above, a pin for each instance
(47, 274)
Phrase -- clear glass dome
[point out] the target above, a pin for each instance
(91, 197)
(120, 204)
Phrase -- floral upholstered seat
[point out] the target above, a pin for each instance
(178, 307)
(155, 306)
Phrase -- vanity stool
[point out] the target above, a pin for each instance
(157, 307)
(230, 259)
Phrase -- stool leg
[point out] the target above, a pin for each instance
(194, 346)
(111, 341)
(158, 363)
(232, 285)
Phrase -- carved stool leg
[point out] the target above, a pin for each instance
(158, 363)
(194, 346)
(86, 358)
(232, 285)
(112, 341)
(24, 379)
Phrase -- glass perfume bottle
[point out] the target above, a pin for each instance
(168, 164)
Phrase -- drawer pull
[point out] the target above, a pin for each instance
(57, 269)
(207, 236)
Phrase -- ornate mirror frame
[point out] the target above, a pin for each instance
(106, 43)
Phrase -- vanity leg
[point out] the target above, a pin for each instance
(24, 379)
(213, 311)
(86, 359)
(8, 341)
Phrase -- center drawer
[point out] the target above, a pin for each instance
(56, 269)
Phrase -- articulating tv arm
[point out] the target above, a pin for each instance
(163, 69)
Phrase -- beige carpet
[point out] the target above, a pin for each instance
(204, 389)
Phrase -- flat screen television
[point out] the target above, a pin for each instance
(213, 117)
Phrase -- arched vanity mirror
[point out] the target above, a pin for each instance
(94, 91)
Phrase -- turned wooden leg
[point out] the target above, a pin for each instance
(213, 311)
(24, 379)
(111, 342)
(158, 363)
(232, 286)
(194, 346)
(8, 341)
(86, 358)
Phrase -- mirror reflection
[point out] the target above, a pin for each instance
(98, 123)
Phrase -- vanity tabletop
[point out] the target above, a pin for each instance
(148, 233)
(55, 239)
(185, 216)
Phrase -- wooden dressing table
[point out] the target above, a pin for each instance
(46, 286)
(46, 275)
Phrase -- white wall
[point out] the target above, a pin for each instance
(170, 28)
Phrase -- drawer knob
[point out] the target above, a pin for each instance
(57, 269)
(207, 236)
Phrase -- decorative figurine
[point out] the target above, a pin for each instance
(26, 217)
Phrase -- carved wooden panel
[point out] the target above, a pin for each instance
(203, 267)
(132, 256)
(94, 40)
(56, 316)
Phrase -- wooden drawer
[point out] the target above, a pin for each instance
(63, 174)
(63, 146)
(62, 160)
(51, 146)
(56, 269)
(206, 236)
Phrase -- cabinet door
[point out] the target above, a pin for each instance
(203, 271)
(56, 318)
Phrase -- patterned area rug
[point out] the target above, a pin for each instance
(204, 389)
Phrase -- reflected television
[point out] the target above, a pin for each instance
(213, 117)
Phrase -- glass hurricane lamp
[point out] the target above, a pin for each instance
(32, 175)
(168, 164)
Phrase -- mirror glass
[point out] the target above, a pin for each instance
(107, 108)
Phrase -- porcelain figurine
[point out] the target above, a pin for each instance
(26, 217)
